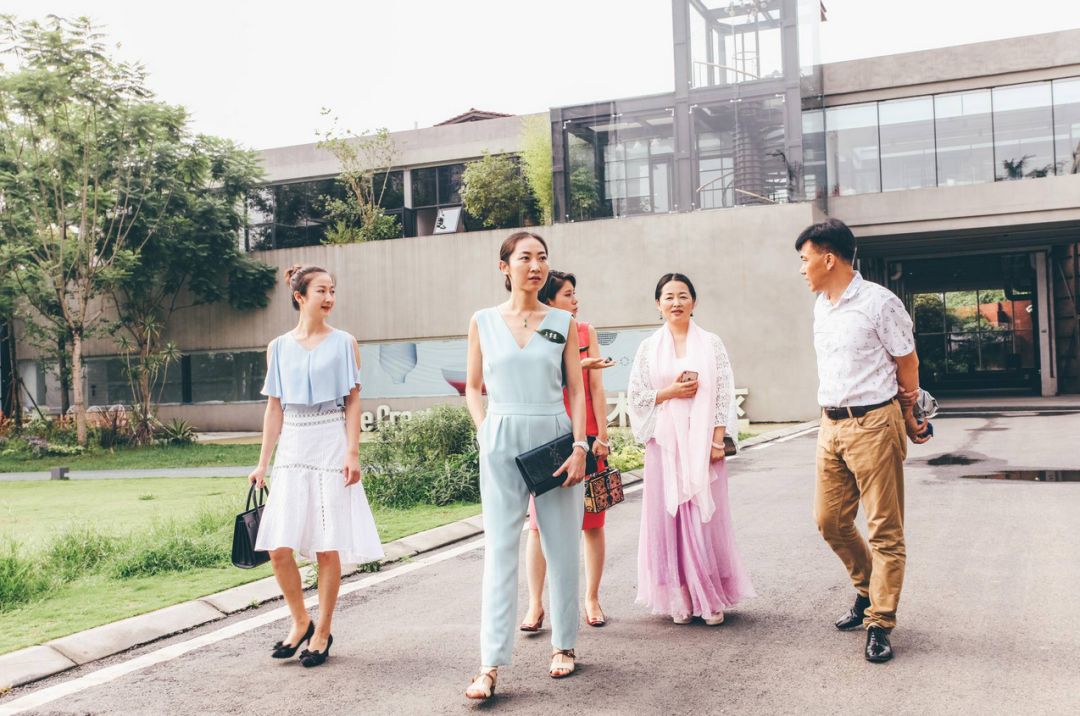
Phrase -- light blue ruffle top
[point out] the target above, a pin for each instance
(298, 376)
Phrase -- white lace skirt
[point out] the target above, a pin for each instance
(310, 509)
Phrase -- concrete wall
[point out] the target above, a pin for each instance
(742, 262)
(416, 147)
(946, 69)
(1031, 203)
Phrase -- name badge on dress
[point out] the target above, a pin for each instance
(553, 336)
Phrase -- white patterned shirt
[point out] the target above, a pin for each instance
(856, 343)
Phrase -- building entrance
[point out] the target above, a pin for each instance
(975, 320)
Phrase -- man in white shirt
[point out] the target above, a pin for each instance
(865, 357)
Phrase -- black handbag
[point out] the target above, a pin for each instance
(538, 464)
(246, 529)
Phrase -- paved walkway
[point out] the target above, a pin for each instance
(987, 621)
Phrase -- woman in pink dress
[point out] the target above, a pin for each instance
(561, 292)
(681, 401)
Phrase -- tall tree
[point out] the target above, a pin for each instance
(190, 255)
(366, 160)
(536, 162)
(92, 167)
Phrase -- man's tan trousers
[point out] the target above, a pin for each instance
(862, 459)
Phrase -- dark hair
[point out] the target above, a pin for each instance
(511, 242)
(297, 278)
(832, 236)
(556, 281)
(668, 278)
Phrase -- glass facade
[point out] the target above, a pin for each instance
(107, 382)
(1067, 125)
(735, 41)
(740, 153)
(1025, 131)
(907, 143)
(620, 165)
(965, 130)
(227, 377)
(284, 216)
(814, 172)
(851, 145)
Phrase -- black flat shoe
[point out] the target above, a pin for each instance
(286, 651)
(853, 619)
(315, 658)
(878, 648)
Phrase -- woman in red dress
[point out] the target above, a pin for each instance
(560, 292)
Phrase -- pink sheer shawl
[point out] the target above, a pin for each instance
(684, 427)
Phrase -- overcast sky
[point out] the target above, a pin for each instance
(260, 71)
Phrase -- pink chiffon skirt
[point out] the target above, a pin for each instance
(687, 567)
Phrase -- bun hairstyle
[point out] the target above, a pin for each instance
(668, 278)
(556, 281)
(297, 278)
(511, 242)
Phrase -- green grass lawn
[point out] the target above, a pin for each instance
(197, 455)
(33, 513)
(152, 457)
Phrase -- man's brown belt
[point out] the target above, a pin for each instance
(854, 411)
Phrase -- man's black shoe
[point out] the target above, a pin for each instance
(878, 648)
(854, 617)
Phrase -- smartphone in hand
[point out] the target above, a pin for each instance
(687, 376)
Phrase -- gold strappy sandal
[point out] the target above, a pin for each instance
(559, 663)
(482, 687)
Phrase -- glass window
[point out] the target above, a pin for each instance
(740, 153)
(391, 188)
(1067, 125)
(1023, 135)
(851, 137)
(907, 143)
(815, 182)
(227, 377)
(619, 165)
(107, 382)
(423, 187)
(449, 179)
(733, 41)
(964, 129)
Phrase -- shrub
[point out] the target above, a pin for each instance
(429, 458)
(177, 432)
(21, 579)
(626, 453)
(175, 546)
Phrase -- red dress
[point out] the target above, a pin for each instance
(592, 519)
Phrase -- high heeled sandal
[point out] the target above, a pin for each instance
(558, 664)
(281, 650)
(525, 626)
(596, 621)
(484, 692)
(317, 658)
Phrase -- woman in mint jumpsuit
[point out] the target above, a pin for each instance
(518, 351)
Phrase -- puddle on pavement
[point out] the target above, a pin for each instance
(1030, 475)
(952, 459)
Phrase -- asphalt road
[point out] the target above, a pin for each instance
(988, 621)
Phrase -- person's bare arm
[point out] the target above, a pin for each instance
(574, 466)
(271, 431)
(907, 376)
(599, 399)
(352, 428)
(474, 376)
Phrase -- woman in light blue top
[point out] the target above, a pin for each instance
(520, 351)
(317, 506)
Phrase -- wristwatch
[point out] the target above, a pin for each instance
(582, 444)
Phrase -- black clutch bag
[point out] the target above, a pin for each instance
(246, 530)
(538, 464)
